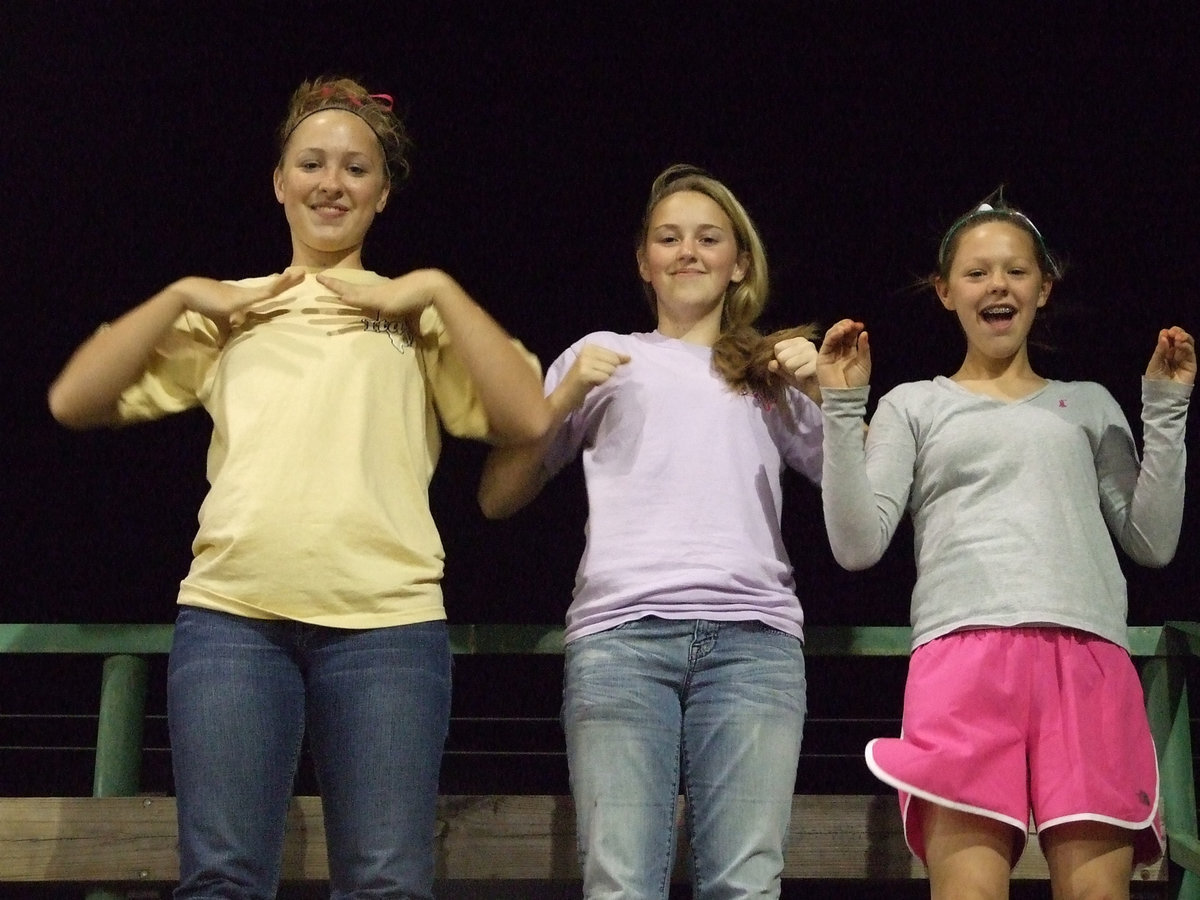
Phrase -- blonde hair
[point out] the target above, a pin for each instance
(347, 94)
(742, 353)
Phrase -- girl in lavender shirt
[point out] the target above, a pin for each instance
(683, 656)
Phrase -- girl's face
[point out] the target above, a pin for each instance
(995, 287)
(331, 182)
(690, 255)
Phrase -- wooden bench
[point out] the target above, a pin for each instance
(118, 840)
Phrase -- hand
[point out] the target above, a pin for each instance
(592, 367)
(392, 299)
(1174, 357)
(845, 356)
(795, 362)
(227, 304)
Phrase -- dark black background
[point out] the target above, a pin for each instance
(139, 146)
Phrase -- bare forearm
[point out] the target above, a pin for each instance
(85, 393)
(508, 386)
(513, 476)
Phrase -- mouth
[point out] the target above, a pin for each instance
(1000, 313)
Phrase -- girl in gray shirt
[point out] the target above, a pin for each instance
(1021, 698)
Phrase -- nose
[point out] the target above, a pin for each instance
(998, 282)
(687, 248)
(330, 181)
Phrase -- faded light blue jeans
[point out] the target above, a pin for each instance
(376, 704)
(715, 707)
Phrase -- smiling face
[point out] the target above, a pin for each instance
(331, 181)
(995, 286)
(689, 258)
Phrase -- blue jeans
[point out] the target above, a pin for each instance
(718, 705)
(376, 704)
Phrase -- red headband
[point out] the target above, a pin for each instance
(354, 105)
(384, 100)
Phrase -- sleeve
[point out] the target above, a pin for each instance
(568, 440)
(177, 374)
(865, 484)
(454, 395)
(1143, 502)
(803, 429)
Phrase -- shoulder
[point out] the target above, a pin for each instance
(621, 343)
(610, 339)
(1089, 392)
(915, 393)
(921, 403)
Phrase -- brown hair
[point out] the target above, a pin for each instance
(374, 109)
(742, 353)
(994, 209)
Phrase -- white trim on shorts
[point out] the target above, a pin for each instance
(912, 791)
(1136, 827)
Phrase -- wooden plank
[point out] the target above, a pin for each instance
(494, 838)
(85, 839)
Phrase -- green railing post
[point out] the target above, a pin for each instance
(119, 735)
(1165, 684)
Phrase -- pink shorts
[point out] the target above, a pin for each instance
(1009, 722)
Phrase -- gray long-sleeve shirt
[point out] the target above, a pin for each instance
(1012, 504)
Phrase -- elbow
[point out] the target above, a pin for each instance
(853, 557)
(495, 495)
(59, 410)
(853, 562)
(505, 490)
(72, 414)
(529, 425)
(1157, 559)
(1154, 551)
(493, 506)
(540, 419)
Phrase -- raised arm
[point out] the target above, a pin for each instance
(86, 391)
(1174, 357)
(844, 360)
(859, 518)
(1143, 502)
(509, 389)
(513, 476)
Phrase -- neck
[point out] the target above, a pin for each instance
(702, 329)
(311, 258)
(1010, 375)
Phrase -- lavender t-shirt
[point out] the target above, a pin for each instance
(683, 482)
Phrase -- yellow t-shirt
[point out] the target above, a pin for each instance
(325, 437)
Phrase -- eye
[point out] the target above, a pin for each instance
(709, 240)
(310, 165)
(356, 169)
(667, 239)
